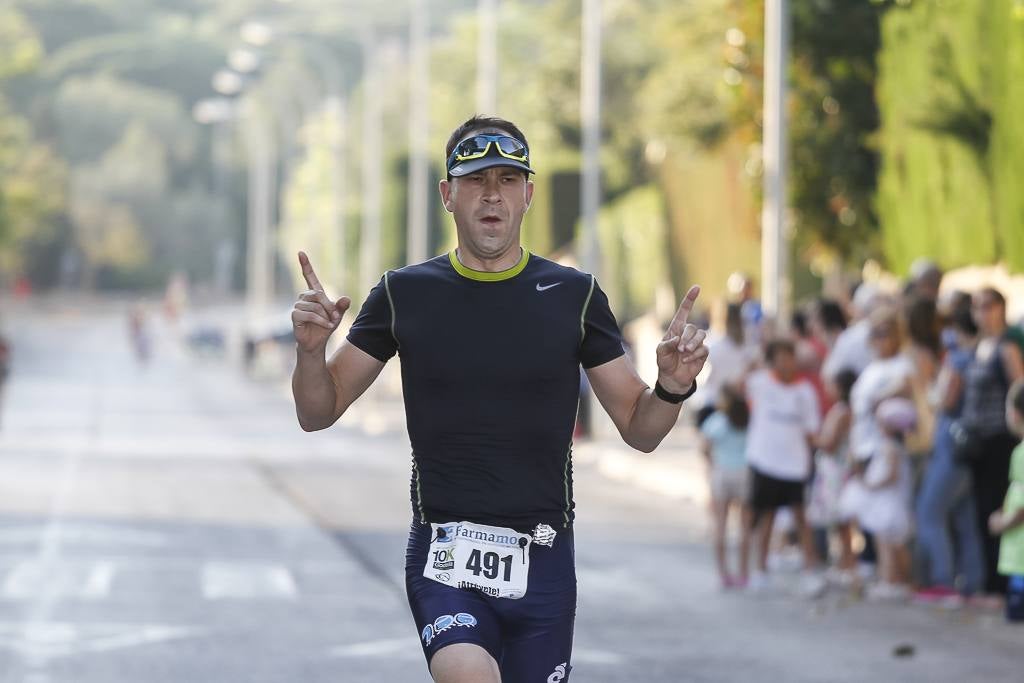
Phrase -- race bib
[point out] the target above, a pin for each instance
(493, 560)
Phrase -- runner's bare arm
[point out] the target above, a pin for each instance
(323, 389)
(641, 417)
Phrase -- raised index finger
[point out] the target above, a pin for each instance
(308, 274)
(683, 314)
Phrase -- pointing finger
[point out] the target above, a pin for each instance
(685, 308)
(308, 274)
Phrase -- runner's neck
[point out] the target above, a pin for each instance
(506, 261)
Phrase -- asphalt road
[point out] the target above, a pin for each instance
(172, 523)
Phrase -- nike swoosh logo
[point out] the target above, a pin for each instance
(541, 289)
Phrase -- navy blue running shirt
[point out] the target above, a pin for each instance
(490, 373)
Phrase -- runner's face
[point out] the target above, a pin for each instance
(488, 207)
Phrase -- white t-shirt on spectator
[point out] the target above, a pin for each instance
(880, 378)
(728, 362)
(781, 418)
(852, 350)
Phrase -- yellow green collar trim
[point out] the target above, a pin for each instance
(486, 276)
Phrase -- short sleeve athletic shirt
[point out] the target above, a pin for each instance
(490, 373)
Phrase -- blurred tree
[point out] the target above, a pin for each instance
(1005, 30)
(20, 47)
(31, 178)
(91, 114)
(950, 96)
(833, 117)
(114, 98)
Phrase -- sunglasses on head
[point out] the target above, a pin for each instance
(480, 146)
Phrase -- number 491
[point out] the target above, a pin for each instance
(488, 564)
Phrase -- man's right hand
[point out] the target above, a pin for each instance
(315, 316)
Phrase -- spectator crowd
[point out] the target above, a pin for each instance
(879, 441)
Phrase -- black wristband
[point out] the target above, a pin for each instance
(667, 396)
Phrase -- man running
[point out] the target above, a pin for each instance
(491, 340)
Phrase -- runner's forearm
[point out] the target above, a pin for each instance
(314, 391)
(651, 421)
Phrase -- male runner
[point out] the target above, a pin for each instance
(491, 339)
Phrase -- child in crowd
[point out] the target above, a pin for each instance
(783, 421)
(1008, 521)
(881, 497)
(724, 445)
(831, 470)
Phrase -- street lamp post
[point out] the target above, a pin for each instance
(322, 60)
(262, 162)
(336, 111)
(590, 111)
(372, 162)
(218, 113)
(417, 223)
(775, 281)
(487, 56)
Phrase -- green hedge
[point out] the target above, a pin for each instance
(952, 137)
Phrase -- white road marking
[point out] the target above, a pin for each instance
(44, 641)
(34, 579)
(233, 580)
(83, 533)
(97, 585)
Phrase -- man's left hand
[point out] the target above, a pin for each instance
(682, 351)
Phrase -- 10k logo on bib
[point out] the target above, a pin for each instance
(492, 560)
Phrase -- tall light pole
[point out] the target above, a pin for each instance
(219, 113)
(262, 162)
(487, 56)
(372, 162)
(590, 113)
(336, 110)
(419, 128)
(325, 63)
(776, 287)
